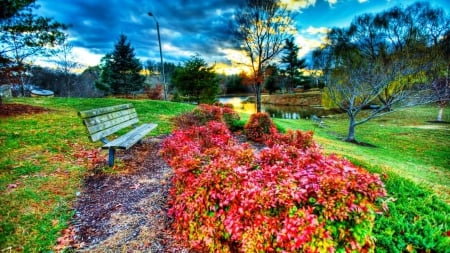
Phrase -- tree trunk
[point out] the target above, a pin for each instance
(258, 97)
(441, 111)
(351, 129)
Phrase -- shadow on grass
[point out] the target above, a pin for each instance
(360, 143)
(438, 122)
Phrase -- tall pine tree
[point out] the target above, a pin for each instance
(121, 70)
(293, 64)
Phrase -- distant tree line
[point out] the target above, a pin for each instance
(25, 35)
(385, 59)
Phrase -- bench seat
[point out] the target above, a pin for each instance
(129, 139)
(318, 121)
(106, 121)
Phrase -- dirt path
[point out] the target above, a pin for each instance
(126, 211)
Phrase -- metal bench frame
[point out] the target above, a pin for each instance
(318, 121)
(105, 121)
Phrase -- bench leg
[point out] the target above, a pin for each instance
(112, 153)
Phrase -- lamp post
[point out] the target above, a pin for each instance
(160, 54)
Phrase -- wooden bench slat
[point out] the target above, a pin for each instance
(97, 136)
(90, 121)
(129, 139)
(104, 110)
(103, 122)
(108, 124)
(318, 121)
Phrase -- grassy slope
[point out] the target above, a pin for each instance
(39, 171)
(415, 157)
(405, 144)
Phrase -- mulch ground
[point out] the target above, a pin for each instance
(8, 110)
(126, 210)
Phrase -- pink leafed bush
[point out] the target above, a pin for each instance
(289, 197)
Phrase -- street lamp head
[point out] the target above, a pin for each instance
(154, 17)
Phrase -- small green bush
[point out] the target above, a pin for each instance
(417, 221)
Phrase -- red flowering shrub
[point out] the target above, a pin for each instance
(298, 139)
(258, 126)
(205, 113)
(288, 198)
(228, 106)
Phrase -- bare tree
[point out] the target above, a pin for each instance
(262, 27)
(441, 88)
(437, 26)
(23, 35)
(67, 66)
(376, 63)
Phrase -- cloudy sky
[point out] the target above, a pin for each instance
(189, 27)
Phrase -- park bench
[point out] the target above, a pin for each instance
(318, 121)
(106, 121)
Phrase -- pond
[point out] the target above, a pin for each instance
(240, 104)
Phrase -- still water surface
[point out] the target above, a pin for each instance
(275, 111)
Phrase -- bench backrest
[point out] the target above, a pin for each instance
(102, 122)
(315, 118)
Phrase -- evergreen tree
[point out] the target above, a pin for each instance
(293, 64)
(197, 80)
(272, 80)
(121, 70)
(234, 85)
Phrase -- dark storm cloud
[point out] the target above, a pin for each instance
(187, 27)
(204, 25)
(192, 27)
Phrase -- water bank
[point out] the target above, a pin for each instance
(286, 106)
(298, 99)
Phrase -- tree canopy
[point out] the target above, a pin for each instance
(380, 60)
(121, 70)
(292, 64)
(196, 80)
(23, 35)
(261, 27)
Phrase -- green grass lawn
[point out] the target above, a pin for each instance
(40, 172)
(415, 156)
(406, 144)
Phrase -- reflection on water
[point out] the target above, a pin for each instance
(275, 111)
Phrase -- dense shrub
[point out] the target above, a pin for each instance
(417, 221)
(288, 197)
(258, 126)
(298, 139)
(155, 93)
(205, 113)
